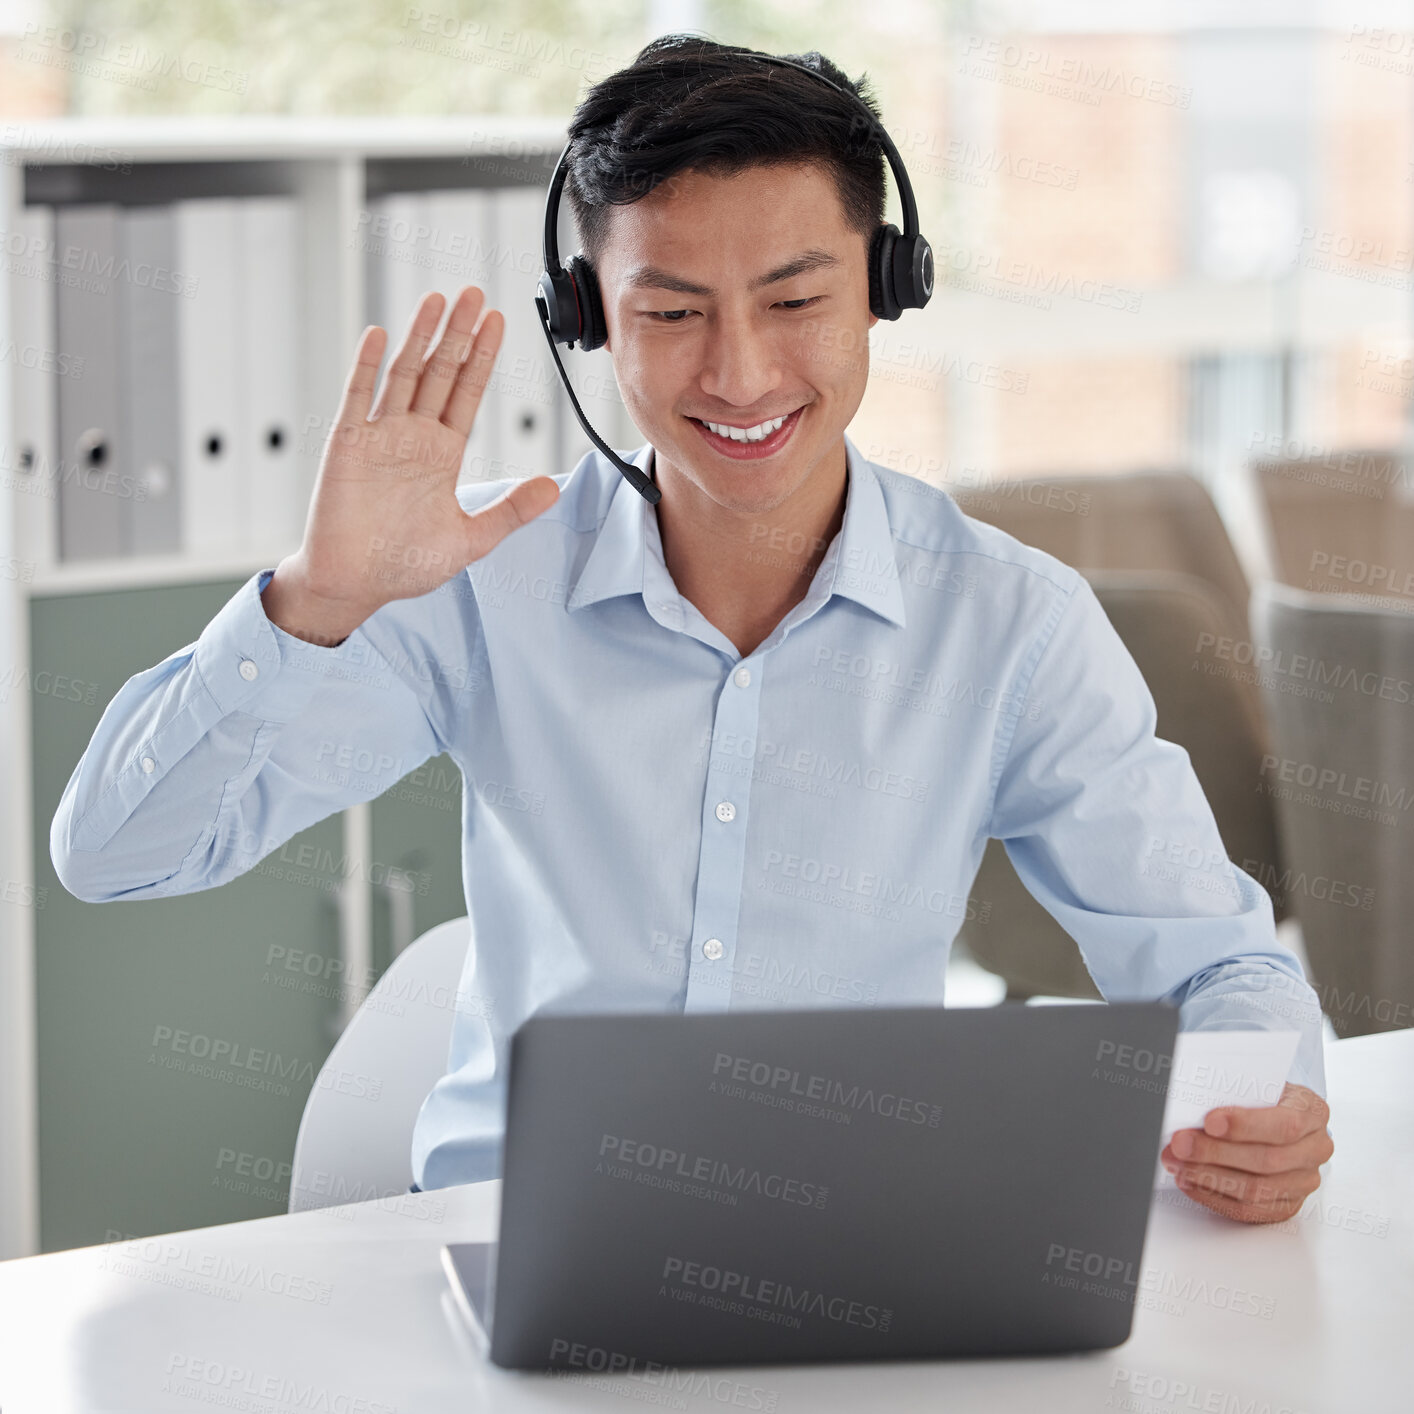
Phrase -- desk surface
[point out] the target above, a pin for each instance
(344, 1311)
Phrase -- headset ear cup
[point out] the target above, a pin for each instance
(558, 300)
(913, 271)
(881, 272)
(875, 298)
(591, 309)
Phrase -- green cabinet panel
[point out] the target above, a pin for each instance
(416, 849)
(177, 1038)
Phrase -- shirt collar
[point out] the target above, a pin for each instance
(859, 563)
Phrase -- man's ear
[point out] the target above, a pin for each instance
(873, 319)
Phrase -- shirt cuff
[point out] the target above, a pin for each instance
(249, 664)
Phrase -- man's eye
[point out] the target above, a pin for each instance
(673, 316)
(798, 303)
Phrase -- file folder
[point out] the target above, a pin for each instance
(148, 375)
(439, 240)
(269, 340)
(461, 251)
(31, 461)
(213, 456)
(527, 387)
(396, 280)
(94, 467)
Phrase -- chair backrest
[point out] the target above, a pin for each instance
(1342, 522)
(1340, 690)
(1144, 520)
(1172, 624)
(355, 1137)
(1167, 621)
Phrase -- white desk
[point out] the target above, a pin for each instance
(342, 1311)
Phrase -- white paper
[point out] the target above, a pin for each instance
(1212, 1069)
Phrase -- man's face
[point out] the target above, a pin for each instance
(736, 301)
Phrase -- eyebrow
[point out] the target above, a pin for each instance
(649, 277)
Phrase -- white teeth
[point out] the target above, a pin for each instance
(745, 434)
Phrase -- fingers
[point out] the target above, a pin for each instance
(443, 364)
(472, 377)
(363, 376)
(400, 381)
(524, 501)
(1248, 1197)
(1192, 1146)
(1299, 1111)
(1241, 1212)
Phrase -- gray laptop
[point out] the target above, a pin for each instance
(820, 1185)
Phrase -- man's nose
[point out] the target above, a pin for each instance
(741, 363)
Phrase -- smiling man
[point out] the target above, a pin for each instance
(743, 748)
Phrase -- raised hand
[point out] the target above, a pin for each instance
(384, 522)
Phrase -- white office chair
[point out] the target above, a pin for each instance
(351, 1146)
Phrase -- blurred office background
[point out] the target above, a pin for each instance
(1171, 343)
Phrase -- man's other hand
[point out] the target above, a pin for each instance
(1254, 1165)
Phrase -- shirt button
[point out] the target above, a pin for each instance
(248, 670)
(725, 810)
(742, 677)
(712, 949)
(149, 765)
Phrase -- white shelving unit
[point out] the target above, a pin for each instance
(333, 168)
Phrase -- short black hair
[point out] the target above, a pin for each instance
(689, 102)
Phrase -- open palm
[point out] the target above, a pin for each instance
(384, 522)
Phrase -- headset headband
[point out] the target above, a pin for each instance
(551, 243)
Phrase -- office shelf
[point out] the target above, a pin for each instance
(333, 168)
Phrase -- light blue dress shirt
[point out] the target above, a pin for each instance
(652, 821)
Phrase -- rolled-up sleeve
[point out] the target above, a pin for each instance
(1108, 827)
(207, 761)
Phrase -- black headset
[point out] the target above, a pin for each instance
(571, 309)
